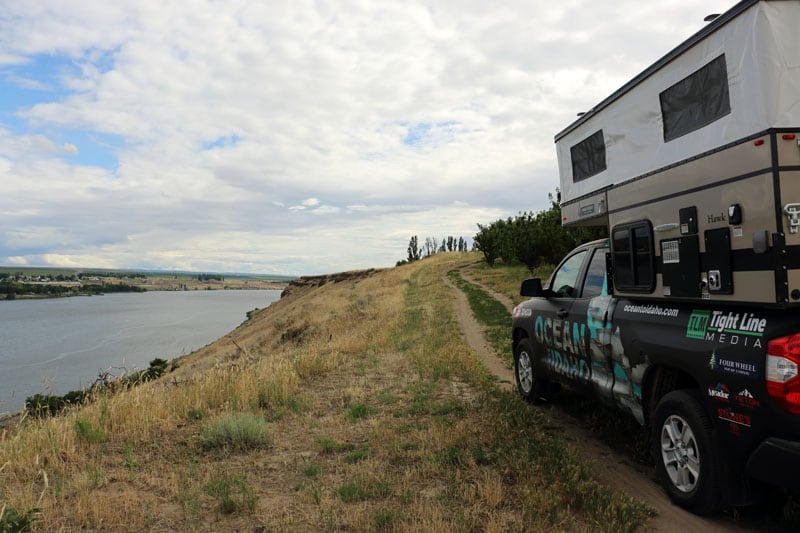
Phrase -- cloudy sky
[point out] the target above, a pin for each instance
(294, 136)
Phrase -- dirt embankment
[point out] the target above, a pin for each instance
(305, 283)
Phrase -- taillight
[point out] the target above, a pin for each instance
(783, 372)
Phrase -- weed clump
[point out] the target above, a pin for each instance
(12, 520)
(237, 433)
(232, 493)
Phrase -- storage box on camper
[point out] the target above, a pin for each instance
(694, 165)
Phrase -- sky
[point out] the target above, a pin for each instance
(295, 137)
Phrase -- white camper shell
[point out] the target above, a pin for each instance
(694, 165)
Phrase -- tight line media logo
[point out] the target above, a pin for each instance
(698, 324)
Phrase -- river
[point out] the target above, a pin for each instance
(53, 346)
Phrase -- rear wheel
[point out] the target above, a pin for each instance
(685, 463)
(529, 385)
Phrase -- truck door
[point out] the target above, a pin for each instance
(590, 319)
(552, 327)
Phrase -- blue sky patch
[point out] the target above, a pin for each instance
(225, 141)
(429, 134)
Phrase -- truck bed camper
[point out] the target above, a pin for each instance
(694, 165)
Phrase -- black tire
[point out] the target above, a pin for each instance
(685, 462)
(529, 385)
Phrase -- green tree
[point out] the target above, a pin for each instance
(533, 238)
(413, 250)
(487, 241)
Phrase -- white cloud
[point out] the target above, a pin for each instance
(70, 149)
(372, 122)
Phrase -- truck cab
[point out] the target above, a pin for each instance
(717, 386)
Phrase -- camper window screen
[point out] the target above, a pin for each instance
(696, 101)
(588, 157)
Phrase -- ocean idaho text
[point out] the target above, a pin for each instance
(567, 345)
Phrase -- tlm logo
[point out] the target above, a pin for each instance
(698, 322)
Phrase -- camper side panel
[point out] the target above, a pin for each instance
(712, 221)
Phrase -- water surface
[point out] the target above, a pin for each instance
(56, 345)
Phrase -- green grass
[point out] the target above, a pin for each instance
(239, 432)
(13, 520)
(87, 432)
(359, 411)
(490, 313)
(312, 470)
(232, 493)
(329, 446)
(356, 456)
(363, 489)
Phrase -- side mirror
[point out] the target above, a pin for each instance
(531, 287)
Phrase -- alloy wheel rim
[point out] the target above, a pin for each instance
(680, 453)
(524, 372)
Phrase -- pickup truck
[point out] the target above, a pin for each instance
(717, 386)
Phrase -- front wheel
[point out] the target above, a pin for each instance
(682, 451)
(529, 385)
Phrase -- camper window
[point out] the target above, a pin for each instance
(632, 252)
(696, 101)
(588, 157)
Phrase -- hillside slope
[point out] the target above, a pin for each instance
(353, 405)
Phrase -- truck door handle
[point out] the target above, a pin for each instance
(562, 313)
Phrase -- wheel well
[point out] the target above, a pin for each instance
(660, 380)
(518, 335)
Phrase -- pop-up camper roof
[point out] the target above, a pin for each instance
(736, 78)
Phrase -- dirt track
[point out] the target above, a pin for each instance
(611, 468)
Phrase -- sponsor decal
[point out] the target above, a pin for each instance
(522, 312)
(698, 321)
(720, 393)
(729, 366)
(734, 328)
(745, 399)
(729, 415)
(656, 310)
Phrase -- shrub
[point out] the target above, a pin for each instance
(12, 520)
(236, 433)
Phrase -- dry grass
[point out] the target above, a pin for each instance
(378, 418)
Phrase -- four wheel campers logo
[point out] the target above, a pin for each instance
(729, 366)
